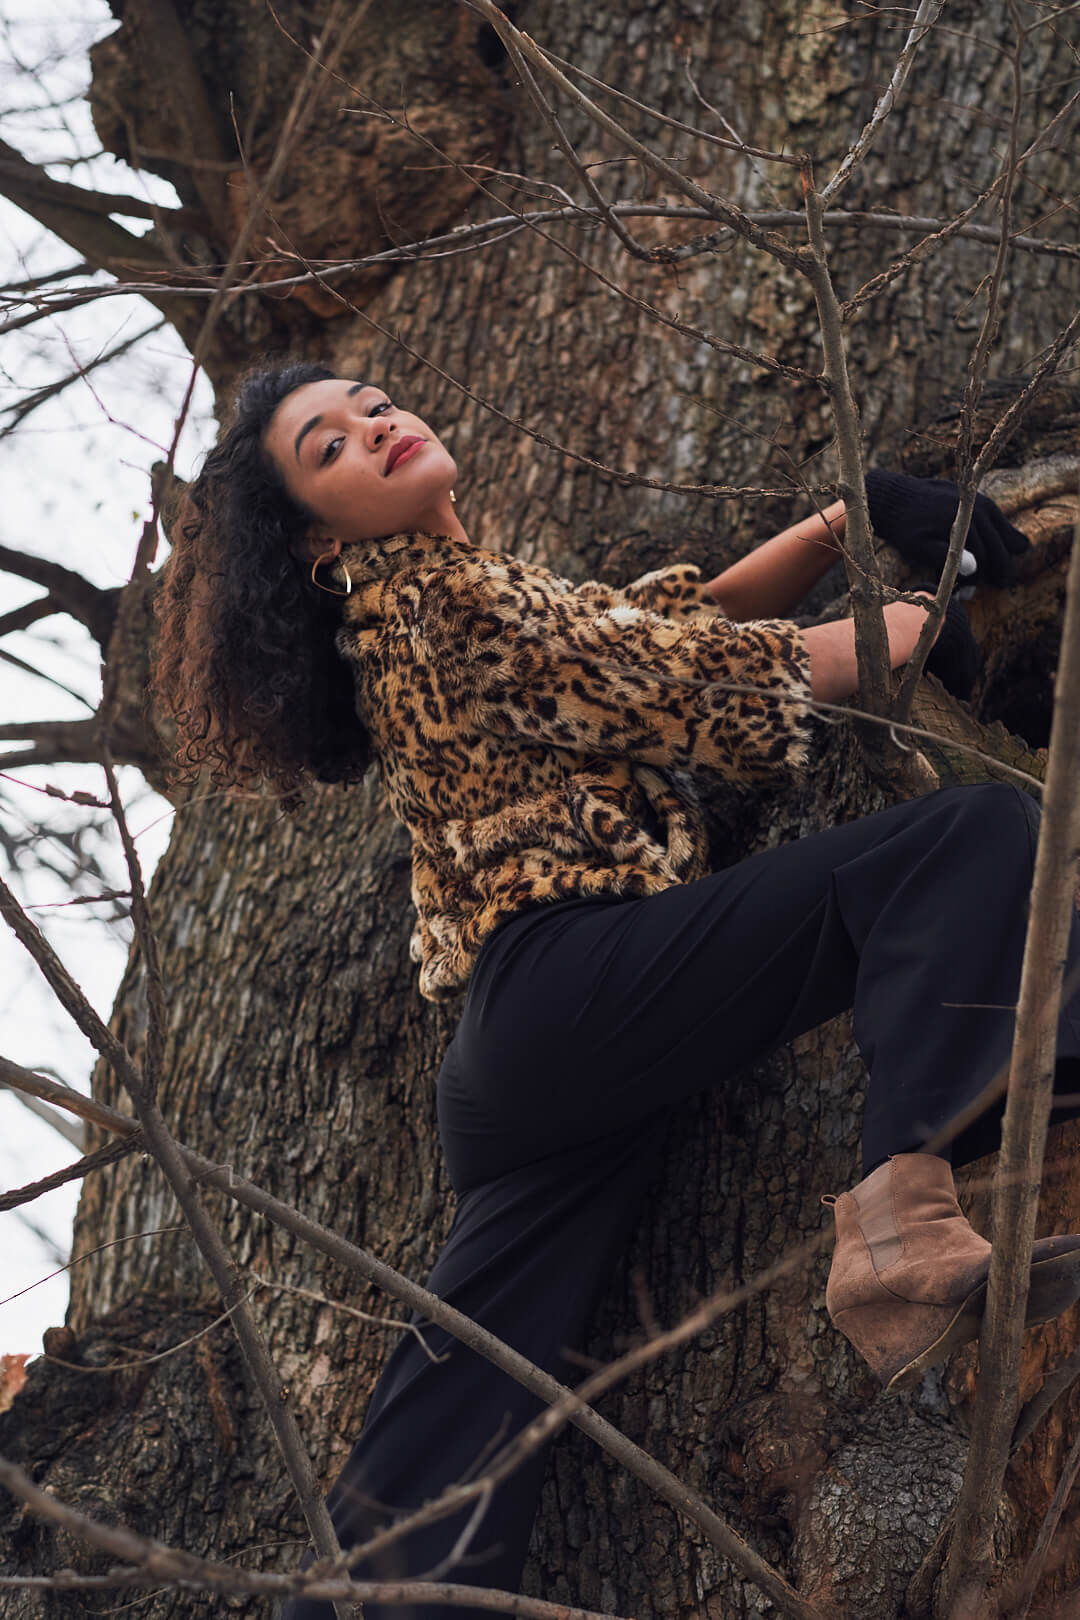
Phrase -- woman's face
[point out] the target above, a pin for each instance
(366, 468)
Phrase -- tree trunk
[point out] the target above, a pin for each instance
(299, 1049)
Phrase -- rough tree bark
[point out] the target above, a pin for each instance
(299, 1048)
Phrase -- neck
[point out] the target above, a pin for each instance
(441, 518)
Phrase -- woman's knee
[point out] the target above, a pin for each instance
(995, 816)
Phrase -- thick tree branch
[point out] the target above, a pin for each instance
(21, 618)
(1027, 1112)
(25, 183)
(69, 213)
(71, 593)
(54, 742)
(163, 37)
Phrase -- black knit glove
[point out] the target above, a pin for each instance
(955, 658)
(916, 514)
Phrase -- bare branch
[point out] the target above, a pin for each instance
(73, 1172)
(1033, 1572)
(1027, 1112)
(1053, 1387)
(1006, 427)
(349, 1310)
(54, 742)
(429, 1306)
(78, 218)
(88, 1254)
(927, 15)
(160, 1143)
(717, 208)
(966, 476)
(731, 144)
(955, 226)
(157, 1563)
(860, 560)
(163, 291)
(41, 675)
(83, 268)
(75, 1134)
(26, 184)
(18, 412)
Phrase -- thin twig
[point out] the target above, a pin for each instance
(128, 1237)
(1053, 1387)
(1027, 1111)
(351, 1310)
(144, 1361)
(462, 236)
(732, 144)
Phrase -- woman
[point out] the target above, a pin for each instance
(540, 741)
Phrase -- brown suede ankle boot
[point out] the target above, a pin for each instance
(908, 1278)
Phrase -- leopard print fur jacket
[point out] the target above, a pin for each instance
(539, 739)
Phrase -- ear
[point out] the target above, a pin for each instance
(314, 547)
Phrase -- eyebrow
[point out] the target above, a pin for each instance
(315, 420)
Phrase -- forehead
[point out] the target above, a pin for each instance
(313, 398)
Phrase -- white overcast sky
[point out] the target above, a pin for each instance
(75, 483)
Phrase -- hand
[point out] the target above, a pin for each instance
(915, 515)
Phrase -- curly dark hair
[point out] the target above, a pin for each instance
(245, 662)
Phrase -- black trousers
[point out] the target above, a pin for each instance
(585, 1022)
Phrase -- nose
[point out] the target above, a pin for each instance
(380, 429)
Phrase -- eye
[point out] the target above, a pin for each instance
(383, 405)
(329, 449)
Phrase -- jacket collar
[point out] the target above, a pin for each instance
(370, 560)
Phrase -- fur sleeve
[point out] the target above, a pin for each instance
(677, 592)
(543, 665)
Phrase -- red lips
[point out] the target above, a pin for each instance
(398, 449)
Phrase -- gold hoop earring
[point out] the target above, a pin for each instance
(329, 591)
(453, 498)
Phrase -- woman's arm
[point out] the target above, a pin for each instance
(772, 580)
(834, 673)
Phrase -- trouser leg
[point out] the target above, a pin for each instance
(526, 1256)
(915, 918)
